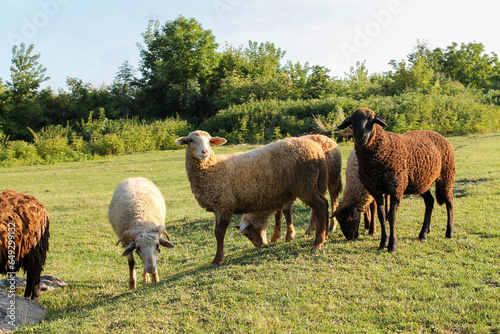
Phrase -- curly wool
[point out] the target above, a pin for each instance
(31, 235)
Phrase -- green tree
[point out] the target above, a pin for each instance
(26, 73)
(20, 108)
(470, 65)
(124, 90)
(176, 62)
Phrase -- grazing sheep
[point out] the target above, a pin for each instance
(355, 200)
(395, 164)
(254, 225)
(137, 214)
(262, 179)
(24, 238)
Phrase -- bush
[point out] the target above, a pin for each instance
(254, 122)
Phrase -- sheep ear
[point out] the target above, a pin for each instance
(129, 249)
(353, 213)
(217, 141)
(347, 122)
(181, 141)
(165, 243)
(379, 121)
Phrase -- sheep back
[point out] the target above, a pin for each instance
(31, 230)
(407, 163)
(236, 183)
(137, 204)
(355, 194)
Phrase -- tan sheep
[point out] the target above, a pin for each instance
(254, 225)
(137, 214)
(262, 179)
(355, 199)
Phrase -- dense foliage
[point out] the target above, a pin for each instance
(244, 93)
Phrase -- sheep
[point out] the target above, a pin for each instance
(137, 215)
(397, 164)
(254, 225)
(355, 200)
(262, 179)
(24, 238)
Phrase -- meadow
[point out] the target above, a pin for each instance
(436, 286)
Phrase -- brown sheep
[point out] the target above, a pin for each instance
(24, 238)
(398, 164)
(262, 179)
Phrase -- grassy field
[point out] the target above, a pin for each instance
(435, 286)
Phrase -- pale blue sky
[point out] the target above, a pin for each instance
(91, 39)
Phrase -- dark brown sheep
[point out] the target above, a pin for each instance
(398, 164)
(24, 238)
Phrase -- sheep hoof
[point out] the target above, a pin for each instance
(217, 261)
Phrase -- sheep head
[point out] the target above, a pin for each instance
(198, 143)
(254, 231)
(147, 245)
(362, 122)
(348, 219)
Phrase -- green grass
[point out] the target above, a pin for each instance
(435, 286)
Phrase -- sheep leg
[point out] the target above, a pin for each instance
(221, 224)
(154, 277)
(312, 223)
(131, 267)
(290, 230)
(32, 284)
(145, 276)
(379, 199)
(429, 205)
(450, 228)
(320, 210)
(277, 226)
(393, 240)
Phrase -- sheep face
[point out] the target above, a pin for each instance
(147, 246)
(348, 219)
(198, 143)
(256, 233)
(362, 121)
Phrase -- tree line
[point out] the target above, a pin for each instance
(184, 73)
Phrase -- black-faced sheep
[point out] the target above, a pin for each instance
(356, 200)
(24, 238)
(262, 179)
(137, 214)
(254, 225)
(395, 164)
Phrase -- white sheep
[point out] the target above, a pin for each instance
(262, 179)
(137, 214)
(254, 225)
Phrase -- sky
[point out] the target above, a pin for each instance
(90, 40)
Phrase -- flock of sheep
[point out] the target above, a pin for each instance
(382, 167)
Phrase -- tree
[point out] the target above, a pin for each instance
(470, 65)
(176, 62)
(26, 73)
(124, 90)
(21, 108)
